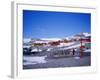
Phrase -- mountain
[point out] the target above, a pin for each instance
(51, 39)
(26, 40)
(46, 40)
(83, 34)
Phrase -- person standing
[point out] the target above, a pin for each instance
(73, 51)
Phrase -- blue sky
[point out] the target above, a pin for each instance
(48, 24)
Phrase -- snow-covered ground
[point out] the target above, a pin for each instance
(36, 50)
(73, 45)
(26, 46)
(65, 44)
(61, 62)
(88, 50)
(29, 60)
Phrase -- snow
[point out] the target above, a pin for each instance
(26, 40)
(86, 34)
(36, 50)
(76, 57)
(74, 45)
(26, 46)
(65, 44)
(41, 41)
(51, 39)
(88, 50)
(34, 60)
(49, 49)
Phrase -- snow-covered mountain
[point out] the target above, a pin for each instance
(78, 36)
(52, 39)
(83, 34)
(46, 40)
(26, 40)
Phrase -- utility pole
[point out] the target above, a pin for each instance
(81, 49)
